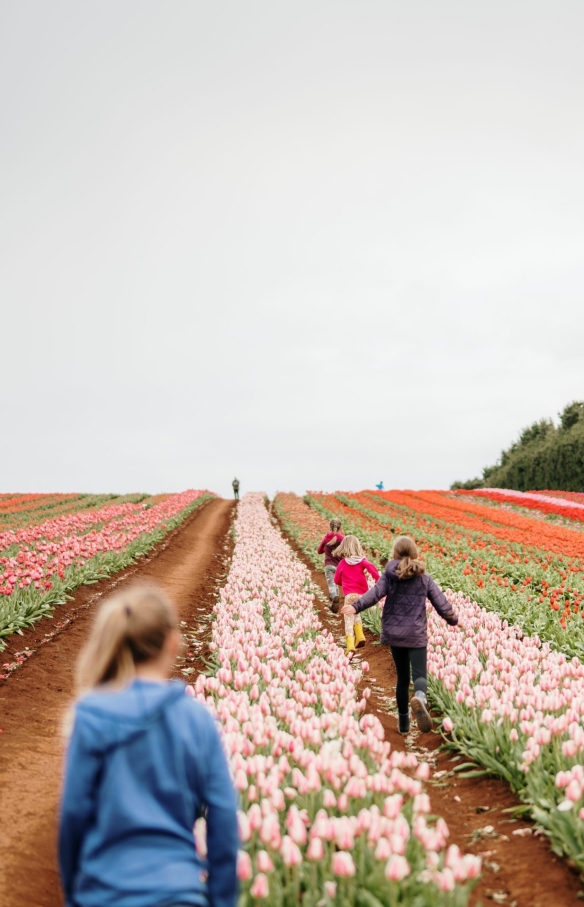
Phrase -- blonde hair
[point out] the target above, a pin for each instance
(130, 628)
(406, 552)
(349, 547)
(335, 525)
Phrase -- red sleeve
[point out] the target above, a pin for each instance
(372, 569)
(339, 574)
(322, 544)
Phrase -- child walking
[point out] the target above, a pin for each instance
(332, 540)
(350, 575)
(144, 761)
(406, 586)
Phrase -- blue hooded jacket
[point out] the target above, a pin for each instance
(142, 764)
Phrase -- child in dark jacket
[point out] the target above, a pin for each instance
(144, 760)
(331, 540)
(406, 586)
(350, 575)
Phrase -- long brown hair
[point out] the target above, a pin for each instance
(406, 552)
(130, 628)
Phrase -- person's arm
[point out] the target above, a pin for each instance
(322, 545)
(339, 574)
(441, 604)
(379, 590)
(78, 804)
(222, 834)
(372, 570)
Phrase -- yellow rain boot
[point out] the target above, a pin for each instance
(359, 636)
(350, 645)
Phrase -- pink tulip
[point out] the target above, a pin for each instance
(260, 887)
(315, 850)
(330, 889)
(397, 868)
(244, 867)
(342, 864)
(264, 862)
(290, 851)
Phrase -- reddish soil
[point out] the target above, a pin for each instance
(190, 564)
(519, 870)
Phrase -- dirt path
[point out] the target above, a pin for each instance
(520, 870)
(190, 565)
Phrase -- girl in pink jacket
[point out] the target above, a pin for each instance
(350, 575)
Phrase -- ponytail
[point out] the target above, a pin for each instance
(130, 628)
(406, 552)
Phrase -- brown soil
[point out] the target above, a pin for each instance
(190, 564)
(519, 870)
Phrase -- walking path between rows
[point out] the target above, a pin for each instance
(34, 700)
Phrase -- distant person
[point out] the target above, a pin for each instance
(404, 626)
(235, 485)
(144, 762)
(332, 540)
(379, 486)
(350, 575)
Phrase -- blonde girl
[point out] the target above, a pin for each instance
(143, 762)
(350, 575)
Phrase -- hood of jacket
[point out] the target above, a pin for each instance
(115, 717)
(354, 559)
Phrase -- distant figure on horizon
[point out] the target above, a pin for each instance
(235, 485)
(379, 486)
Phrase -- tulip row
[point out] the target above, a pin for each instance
(42, 563)
(545, 503)
(18, 511)
(329, 816)
(513, 704)
(517, 707)
(540, 590)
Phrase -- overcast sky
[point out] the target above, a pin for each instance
(313, 244)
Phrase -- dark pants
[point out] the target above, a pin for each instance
(236, 494)
(403, 658)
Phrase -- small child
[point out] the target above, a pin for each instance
(350, 575)
(143, 762)
(404, 626)
(332, 540)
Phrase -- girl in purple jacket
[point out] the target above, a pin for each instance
(406, 586)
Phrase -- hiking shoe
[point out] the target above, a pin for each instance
(421, 714)
(335, 604)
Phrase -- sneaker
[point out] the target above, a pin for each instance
(421, 714)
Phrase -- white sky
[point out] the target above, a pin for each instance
(316, 244)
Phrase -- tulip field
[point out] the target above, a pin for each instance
(50, 544)
(509, 680)
(328, 814)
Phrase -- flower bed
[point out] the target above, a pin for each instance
(41, 564)
(328, 814)
(517, 707)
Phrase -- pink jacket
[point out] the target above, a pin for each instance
(351, 577)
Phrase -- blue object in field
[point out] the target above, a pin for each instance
(380, 486)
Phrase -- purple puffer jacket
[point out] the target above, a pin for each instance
(403, 622)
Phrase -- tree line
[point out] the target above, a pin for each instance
(545, 456)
